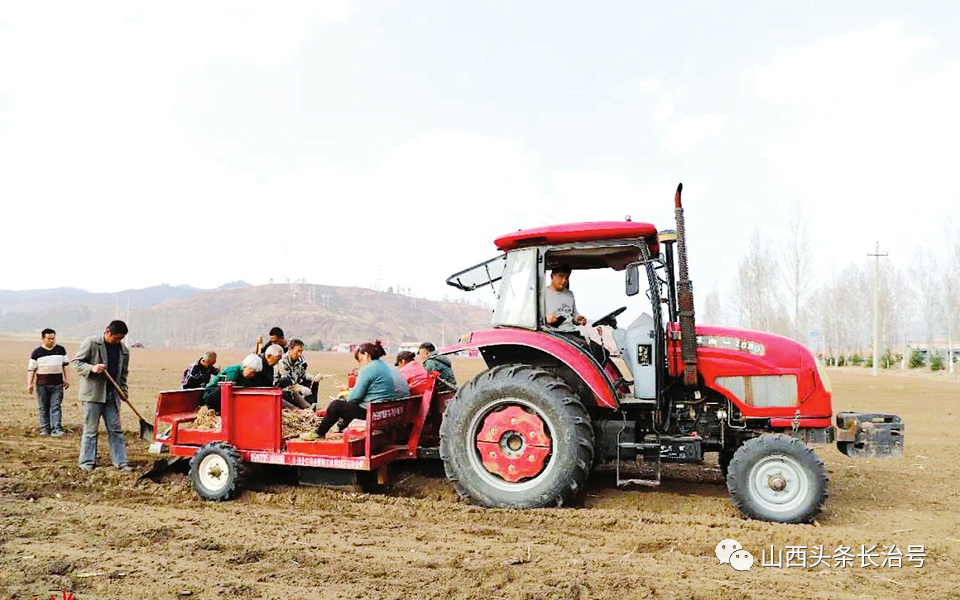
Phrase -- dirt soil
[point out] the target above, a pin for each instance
(104, 535)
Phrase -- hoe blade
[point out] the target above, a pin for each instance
(146, 431)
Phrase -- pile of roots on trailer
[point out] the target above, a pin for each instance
(207, 419)
(294, 422)
(299, 423)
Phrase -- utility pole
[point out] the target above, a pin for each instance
(876, 309)
(951, 294)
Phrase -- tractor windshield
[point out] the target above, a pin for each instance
(517, 302)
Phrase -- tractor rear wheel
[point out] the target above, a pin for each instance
(517, 437)
(217, 471)
(777, 478)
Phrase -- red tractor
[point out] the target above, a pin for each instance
(527, 431)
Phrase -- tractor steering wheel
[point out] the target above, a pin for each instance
(609, 319)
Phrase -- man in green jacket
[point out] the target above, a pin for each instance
(427, 354)
(246, 374)
(98, 355)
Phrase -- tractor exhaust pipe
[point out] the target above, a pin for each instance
(688, 335)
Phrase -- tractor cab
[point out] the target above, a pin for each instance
(521, 274)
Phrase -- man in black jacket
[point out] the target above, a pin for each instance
(199, 373)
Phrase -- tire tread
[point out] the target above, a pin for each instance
(520, 377)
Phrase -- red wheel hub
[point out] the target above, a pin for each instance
(513, 444)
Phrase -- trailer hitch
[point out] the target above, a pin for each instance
(870, 435)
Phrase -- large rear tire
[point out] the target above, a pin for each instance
(777, 478)
(517, 436)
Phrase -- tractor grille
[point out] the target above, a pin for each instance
(763, 390)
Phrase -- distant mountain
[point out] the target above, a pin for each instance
(234, 315)
(142, 298)
(62, 308)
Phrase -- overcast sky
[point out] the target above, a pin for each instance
(348, 143)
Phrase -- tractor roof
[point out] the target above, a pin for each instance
(578, 232)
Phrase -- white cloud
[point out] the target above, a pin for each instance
(685, 134)
(843, 72)
(440, 200)
(679, 134)
(91, 141)
(867, 127)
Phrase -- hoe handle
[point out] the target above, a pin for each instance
(122, 395)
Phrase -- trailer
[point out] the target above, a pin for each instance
(251, 433)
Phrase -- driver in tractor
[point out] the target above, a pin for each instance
(561, 306)
(561, 311)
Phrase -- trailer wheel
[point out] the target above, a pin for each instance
(217, 471)
(517, 436)
(777, 478)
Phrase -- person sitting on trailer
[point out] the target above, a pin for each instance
(400, 387)
(432, 361)
(269, 359)
(374, 383)
(199, 373)
(418, 380)
(299, 387)
(246, 374)
(275, 337)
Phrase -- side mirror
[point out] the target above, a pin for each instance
(633, 280)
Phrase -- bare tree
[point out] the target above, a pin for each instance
(893, 304)
(712, 309)
(929, 292)
(951, 286)
(796, 263)
(843, 310)
(757, 295)
(896, 305)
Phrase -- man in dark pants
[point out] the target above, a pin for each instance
(47, 371)
(99, 354)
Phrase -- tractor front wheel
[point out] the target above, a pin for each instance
(723, 461)
(777, 478)
(217, 471)
(517, 437)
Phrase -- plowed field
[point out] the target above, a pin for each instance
(103, 535)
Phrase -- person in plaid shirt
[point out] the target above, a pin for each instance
(199, 373)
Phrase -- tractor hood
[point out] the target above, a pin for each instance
(768, 374)
(757, 348)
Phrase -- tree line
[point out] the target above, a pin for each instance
(776, 289)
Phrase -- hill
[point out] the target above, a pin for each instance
(233, 316)
(63, 308)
